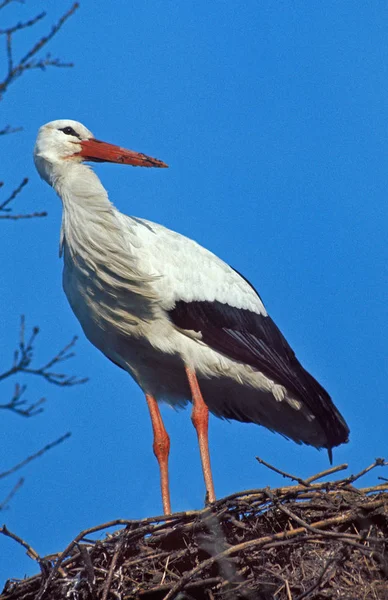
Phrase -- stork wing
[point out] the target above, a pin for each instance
(254, 339)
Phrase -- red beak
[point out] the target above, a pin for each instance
(97, 151)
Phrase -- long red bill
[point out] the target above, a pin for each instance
(95, 150)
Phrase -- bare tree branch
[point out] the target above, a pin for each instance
(20, 405)
(15, 67)
(30, 60)
(13, 195)
(27, 216)
(5, 208)
(5, 2)
(30, 551)
(11, 494)
(23, 357)
(32, 457)
(8, 129)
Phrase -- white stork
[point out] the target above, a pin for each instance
(183, 323)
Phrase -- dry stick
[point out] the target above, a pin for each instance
(112, 568)
(89, 569)
(379, 462)
(260, 492)
(205, 583)
(30, 551)
(263, 542)
(107, 525)
(382, 487)
(314, 528)
(288, 590)
(318, 581)
(280, 472)
(327, 472)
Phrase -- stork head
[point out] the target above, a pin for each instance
(63, 141)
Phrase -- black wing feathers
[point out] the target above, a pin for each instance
(254, 339)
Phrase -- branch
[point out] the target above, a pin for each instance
(23, 357)
(8, 129)
(280, 472)
(13, 195)
(30, 551)
(28, 216)
(5, 2)
(18, 405)
(29, 60)
(4, 205)
(32, 457)
(12, 493)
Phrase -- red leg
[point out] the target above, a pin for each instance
(161, 448)
(200, 419)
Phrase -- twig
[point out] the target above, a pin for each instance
(293, 477)
(379, 462)
(18, 405)
(319, 580)
(8, 129)
(26, 216)
(134, 558)
(13, 195)
(4, 205)
(315, 527)
(89, 569)
(29, 60)
(40, 452)
(112, 568)
(5, 2)
(12, 493)
(326, 473)
(262, 542)
(30, 551)
(22, 360)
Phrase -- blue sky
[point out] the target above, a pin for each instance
(273, 117)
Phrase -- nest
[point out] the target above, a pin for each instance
(313, 540)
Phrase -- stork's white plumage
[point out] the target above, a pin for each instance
(182, 322)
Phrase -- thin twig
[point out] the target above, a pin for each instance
(23, 357)
(379, 462)
(318, 582)
(261, 542)
(5, 2)
(40, 452)
(112, 568)
(13, 195)
(20, 406)
(298, 555)
(33, 215)
(330, 471)
(12, 493)
(283, 473)
(30, 61)
(30, 551)
(8, 129)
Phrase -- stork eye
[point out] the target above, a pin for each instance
(69, 131)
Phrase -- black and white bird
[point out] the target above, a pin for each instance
(183, 323)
